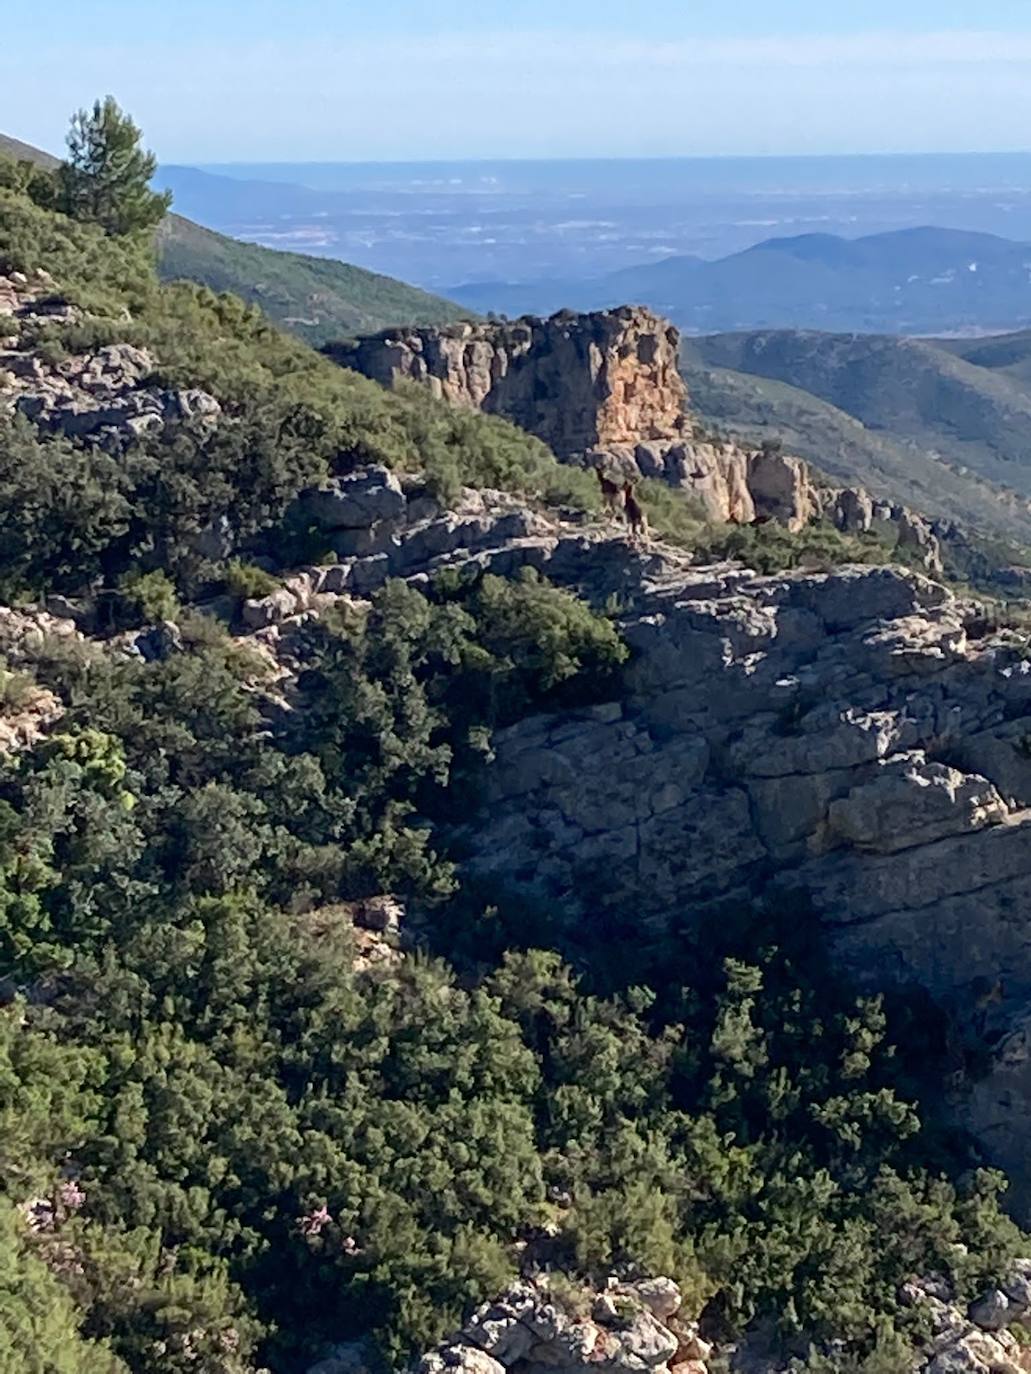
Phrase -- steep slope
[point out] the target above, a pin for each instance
(333, 711)
(316, 298)
(13, 147)
(908, 389)
(759, 408)
(1006, 353)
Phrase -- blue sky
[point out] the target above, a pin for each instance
(212, 80)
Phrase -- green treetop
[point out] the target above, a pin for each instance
(106, 177)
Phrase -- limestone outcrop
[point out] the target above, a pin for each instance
(856, 737)
(603, 390)
(640, 1327)
(620, 1332)
(742, 486)
(858, 741)
(104, 396)
(627, 1328)
(974, 1339)
(27, 709)
(579, 382)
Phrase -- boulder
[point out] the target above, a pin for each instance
(642, 1345)
(661, 1296)
(911, 802)
(258, 612)
(1017, 1286)
(354, 502)
(915, 536)
(978, 1353)
(993, 1310)
(781, 488)
(459, 1359)
(191, 405)
(383, 913)
(155, 643)
(852, 510)
(335, 578)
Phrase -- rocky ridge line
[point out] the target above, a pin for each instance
(608, 381)
(604, 390)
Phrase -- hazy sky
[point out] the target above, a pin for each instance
(369, 79)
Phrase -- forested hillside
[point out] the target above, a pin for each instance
(315, 298)
(230, 1137)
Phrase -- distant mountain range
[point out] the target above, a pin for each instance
(907, 281)
(911, 281)
(318, 298)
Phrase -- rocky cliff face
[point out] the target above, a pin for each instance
(849, 740)
(856, 739)
(579, 382)
(603, 390)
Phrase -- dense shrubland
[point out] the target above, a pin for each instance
(220, 1144)
(280, 1150)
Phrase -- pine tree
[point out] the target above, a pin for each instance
(106, 177)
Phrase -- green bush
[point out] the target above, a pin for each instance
(39, 1319)
(150, 596)
(245, 581)
(771, 547)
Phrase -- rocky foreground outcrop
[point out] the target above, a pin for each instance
(640, 1327)
(603, 390)
(850, 741)
(104, 396)
(856, 740)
